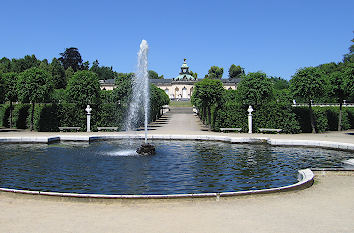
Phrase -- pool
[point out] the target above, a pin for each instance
(113, 167)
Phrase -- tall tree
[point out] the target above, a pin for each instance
(71, 58)
(349, 57)
(215, 72)
(83, 88)
(58, 73)
(255, 89)
(10, 91)
(5, 65)
(69, 72)
(236, 71)
(123, 90)
(153, 74)
(34, 86)
(308, 83)
(2, 88)
(22, 64)
(195, 75)
(342, 86)
(207, 92)
(103, 72)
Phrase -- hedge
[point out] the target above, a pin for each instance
(49, 117)
(326, 118)
(272, 115)
(278, 115)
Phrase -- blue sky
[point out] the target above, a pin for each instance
(276, 37)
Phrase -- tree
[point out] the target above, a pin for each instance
(255, 89)
(69, 72)
(123, 90)
(308, 83)
(83, 88)
(85, 66)
(71, 58)
(22, 64)
(34, 85)
(103, 72)
(5, 65)
(215, 72)
(153, 74)
(195, 75)
(349, 57)
(58, 74)
(207, 93)
(2, 89)
(10, 80)
(342, 85)
(236, 72)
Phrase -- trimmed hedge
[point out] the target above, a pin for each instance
(272, 115)
(326, 118)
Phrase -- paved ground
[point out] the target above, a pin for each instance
(327, 206)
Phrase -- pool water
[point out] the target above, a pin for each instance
(113, 167)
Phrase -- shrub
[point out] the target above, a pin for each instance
(21, 116)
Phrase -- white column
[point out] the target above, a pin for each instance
(250, 110)
(88, 115)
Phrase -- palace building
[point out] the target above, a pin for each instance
(178, 88)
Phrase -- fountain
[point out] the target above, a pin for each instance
(140, 94)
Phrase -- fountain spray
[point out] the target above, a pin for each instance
(140, 95)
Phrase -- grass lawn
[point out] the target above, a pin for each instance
(180, 103)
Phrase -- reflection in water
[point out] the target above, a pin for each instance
(112, 167)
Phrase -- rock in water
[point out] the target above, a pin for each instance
(146, 149)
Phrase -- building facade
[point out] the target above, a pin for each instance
(178, 88)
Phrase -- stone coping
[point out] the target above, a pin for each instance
(305, 177)
(251, 140)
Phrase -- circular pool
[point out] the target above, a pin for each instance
(113, 167)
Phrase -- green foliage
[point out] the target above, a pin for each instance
(22, 64)
(46, 118)
(122, 92)
(153, 74)
(255, 89)
(83, 88)
(350, 114)
(236, 72)
(4, 115)
(103, 72)
(279, 83)
(21, 116)
(231, 115)
(158, 98)
(5, 65)
(112, 115)
(308, 83)
(349, 57)
(2, 89)
(69, 72)
(215, 72)
(72, 115)
(58, 74)
(326, 118)
(71, 57)
(275, 116)
(195, 75)
(207, 93)
(10, 91)
(34, 85)
(58, 96)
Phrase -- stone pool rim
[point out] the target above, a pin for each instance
(305, 176)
